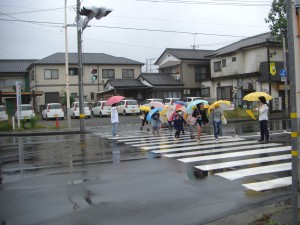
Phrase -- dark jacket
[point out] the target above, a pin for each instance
(202, 113)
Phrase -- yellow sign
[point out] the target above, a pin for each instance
(272, 68)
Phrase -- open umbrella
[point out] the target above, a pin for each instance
(156, 104)
(250, 113)
(152, 111)
(223, 104)
(255, 95)
(181, 103)
(114, 99)
(192, 106)
(145, 108)
(179, 107)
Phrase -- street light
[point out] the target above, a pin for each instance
(90, 13)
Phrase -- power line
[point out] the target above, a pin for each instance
(216, 2)
(130, 28)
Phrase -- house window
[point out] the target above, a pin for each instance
(50, 74)
(224, 93)
(108, 73)
(201, 73)
(233, 59)
(11, 83)
(205, 92)
(32, 75)
(73, 71)
(223, 62)
(127, 73)
(217, 66)
(92, 95)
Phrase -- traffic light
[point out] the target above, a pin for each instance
(94, 75)
(93, 11)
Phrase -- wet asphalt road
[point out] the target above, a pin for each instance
(88, 179)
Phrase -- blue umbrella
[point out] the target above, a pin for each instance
(181, 103)
(151, 112)
(192, 106)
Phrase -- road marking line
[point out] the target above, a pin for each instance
(236, 154)
(243, 162)
(237, 174)
(177, 155)
(269, 184)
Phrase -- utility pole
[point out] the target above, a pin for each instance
(67, 69)
(80, 71)
(286, 102)
(293, 41)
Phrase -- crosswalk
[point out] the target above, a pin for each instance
(267, 166)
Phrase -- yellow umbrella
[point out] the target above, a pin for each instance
(250, 113)
(145, 108)
(254, 96)
(224, 104)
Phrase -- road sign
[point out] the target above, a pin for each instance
(282, 73)
(283, 79)
(272, 68)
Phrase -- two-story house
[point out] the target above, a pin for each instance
(243, 67)
(190, 67)
(12, 71)
(49, 74)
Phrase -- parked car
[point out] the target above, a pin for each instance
(170, 101)
(147, 101)
(101, 109)
(128, 106)
(26, 112)
(53, 111)
(74, 110)
(3, 113)
(188, 100)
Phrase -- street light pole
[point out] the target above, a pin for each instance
(80, 71)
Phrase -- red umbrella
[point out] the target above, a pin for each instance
(114, 99)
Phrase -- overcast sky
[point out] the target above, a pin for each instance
(129, 30)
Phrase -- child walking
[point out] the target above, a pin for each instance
(179, 122)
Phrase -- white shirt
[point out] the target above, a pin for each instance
(263, 112)
(114, 115)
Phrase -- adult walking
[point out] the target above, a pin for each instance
(114, 116)
(143, 117)
(263, 119)
(201, 116)
(215, 119)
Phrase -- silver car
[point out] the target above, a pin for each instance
(74, 110)
(101, 109)
(52, 111)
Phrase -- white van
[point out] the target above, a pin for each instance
(188, 100)
(74, 110)
(170, 101)
(128, 106)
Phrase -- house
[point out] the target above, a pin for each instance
(243, 67)
(49, 75)
(147, 85)
(11, 71)
(189, 66)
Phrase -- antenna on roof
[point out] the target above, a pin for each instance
(194, 46)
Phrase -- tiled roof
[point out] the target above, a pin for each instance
(126, 83)
(15, 65)
(245, 43)
(186, 54)
(159, 79)
(87, 58)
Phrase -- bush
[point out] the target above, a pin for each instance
(33, 122)
(5, 125)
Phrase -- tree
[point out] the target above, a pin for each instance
(277, 18)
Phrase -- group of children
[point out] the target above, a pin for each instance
(198, 118)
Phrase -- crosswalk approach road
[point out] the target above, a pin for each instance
(259, 166)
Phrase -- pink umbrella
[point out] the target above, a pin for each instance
(156, 104)
(114, 99)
